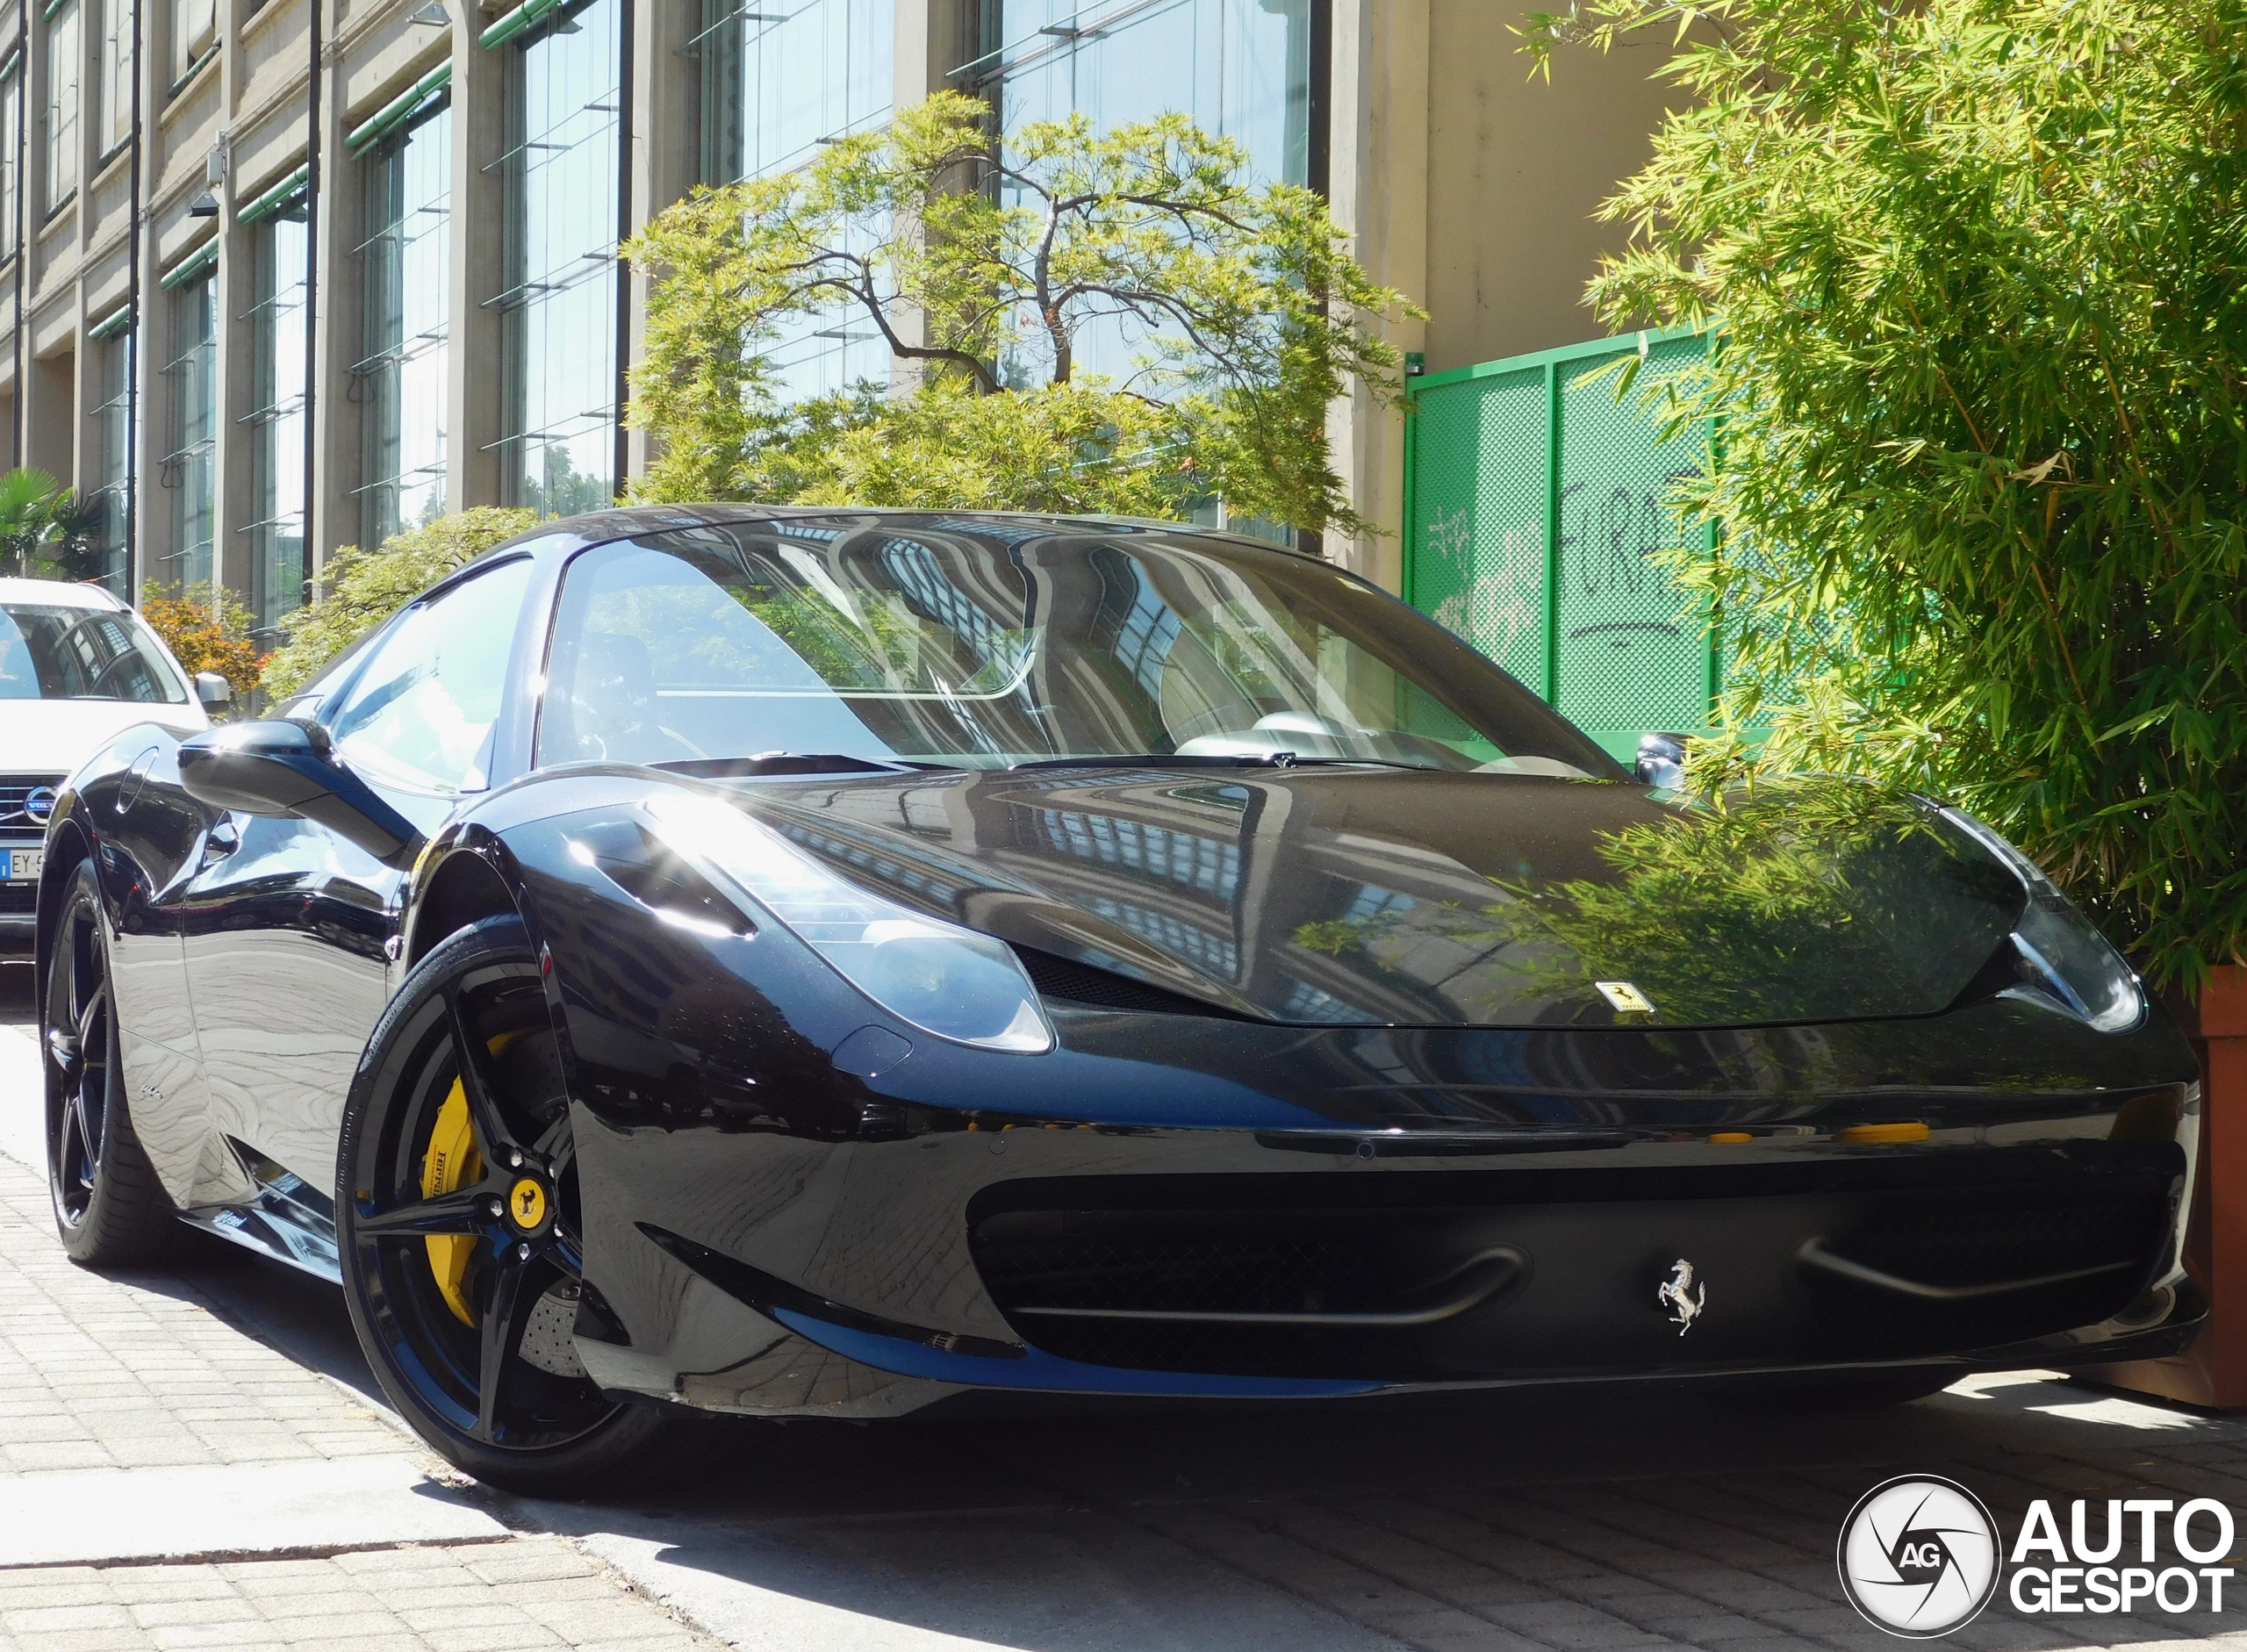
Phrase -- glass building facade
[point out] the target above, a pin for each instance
(776, 85)
(566, 94)
(276, 422)
(191, 471)
(1241, 68)
(112, 441)
(402, 378)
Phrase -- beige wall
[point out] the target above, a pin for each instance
(1516, 169)
(1470, 188)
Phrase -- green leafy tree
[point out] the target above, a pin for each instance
(358, 590)
(44, 529)
(1979, 273)
(1231, 314)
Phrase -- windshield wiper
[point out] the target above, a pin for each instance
(771, 763)
(1227, 760)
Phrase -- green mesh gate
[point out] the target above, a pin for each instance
(1533, 504)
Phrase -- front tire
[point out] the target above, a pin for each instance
(458, 1225)
(109, 1208)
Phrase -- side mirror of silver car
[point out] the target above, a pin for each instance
(1662, 760)
(214, 690)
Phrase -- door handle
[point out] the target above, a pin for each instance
(220, 841)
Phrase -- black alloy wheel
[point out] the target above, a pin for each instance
(458, 1220)
(109, 1208)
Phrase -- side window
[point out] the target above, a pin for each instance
(420, 712)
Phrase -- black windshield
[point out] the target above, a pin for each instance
(984, 645)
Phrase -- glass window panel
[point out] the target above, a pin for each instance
(276, 422)
(62, 64)
(114, 120)
(778, 80)
(195, 31)
(11, 91)
(561, 172)
(113, 365)
(189, 471)
(775, 83)
(1241, 68)
(420, 712)
(403, 376)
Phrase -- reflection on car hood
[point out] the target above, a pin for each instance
(53, 737)
(1378, 897)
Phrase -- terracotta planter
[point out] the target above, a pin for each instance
(2212, 1372)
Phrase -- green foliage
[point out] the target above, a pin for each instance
(45, 532)
(1981, 272)
(985, 270)
(358, 590)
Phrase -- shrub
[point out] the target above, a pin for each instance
(207, 630)
(1980, 272)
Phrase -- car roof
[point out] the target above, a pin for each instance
(61, 593)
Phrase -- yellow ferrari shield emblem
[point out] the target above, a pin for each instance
(527, 1205)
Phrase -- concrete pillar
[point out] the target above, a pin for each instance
(475, 388)
(1379, 162)
(662, 148)
(339, 338)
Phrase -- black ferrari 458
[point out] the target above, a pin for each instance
(822, 964)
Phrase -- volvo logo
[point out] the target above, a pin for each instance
(1679, 1297)
(40, 804)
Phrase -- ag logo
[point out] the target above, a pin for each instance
(1918, 1556)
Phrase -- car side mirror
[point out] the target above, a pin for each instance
(214, 690)
(1662, 760)
(290, 770)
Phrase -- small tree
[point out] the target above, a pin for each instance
(207, 630)
(1980, 272)
(1230, 318)
(358, 590)
(44, 529)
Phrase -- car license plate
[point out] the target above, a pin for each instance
(26, 864)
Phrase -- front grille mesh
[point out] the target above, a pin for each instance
(1212, 1275)
(14, 789)
(2007, 1235)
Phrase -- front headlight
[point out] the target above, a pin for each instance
(2065, 957)
(942, 978)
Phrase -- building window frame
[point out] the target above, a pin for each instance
(561, 176)
(111, 496)
(277, 563)
(113, 81)
(406, 324)
(60, 119)
(190, 468)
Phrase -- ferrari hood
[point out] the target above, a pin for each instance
(1369, 897)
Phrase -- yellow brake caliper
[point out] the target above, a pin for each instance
(450, 1164)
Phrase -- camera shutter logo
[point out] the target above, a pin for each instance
(1918, 1556)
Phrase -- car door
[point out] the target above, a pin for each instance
(286, 924)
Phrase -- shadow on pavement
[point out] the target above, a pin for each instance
(16, 995)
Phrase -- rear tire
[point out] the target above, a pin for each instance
(110, 1208)
(460, 1258)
